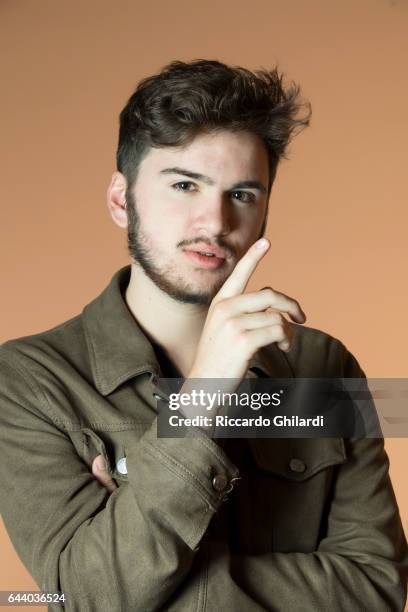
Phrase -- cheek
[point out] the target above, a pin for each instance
(161, 214)
(250, 221)
(163, 231)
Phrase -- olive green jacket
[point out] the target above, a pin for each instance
(258, 524)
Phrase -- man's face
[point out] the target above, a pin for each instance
(174, 216)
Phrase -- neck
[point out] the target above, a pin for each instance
(174, 325)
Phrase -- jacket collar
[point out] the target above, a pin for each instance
(119, 349)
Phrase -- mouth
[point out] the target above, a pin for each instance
(206, 258)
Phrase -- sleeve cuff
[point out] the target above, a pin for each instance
(187, 479)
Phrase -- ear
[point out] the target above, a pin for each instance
(116, 199)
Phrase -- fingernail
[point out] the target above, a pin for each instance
(100, 463)
(262, 243)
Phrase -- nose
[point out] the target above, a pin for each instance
(212, 216)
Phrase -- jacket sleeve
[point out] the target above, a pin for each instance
(362, 562)
(126, 551)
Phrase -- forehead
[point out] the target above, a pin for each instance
(223, 155)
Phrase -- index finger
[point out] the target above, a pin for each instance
(239, 277)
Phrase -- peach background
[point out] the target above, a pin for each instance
(338, 212)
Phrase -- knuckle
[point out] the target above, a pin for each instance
(221, 307)
(277, 318)
(268, 291)
(233, 326)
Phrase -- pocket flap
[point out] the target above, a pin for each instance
(297, 458)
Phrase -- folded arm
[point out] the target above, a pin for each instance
(129, 550)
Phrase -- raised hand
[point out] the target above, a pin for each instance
(238, 323)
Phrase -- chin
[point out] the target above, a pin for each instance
(193, 297)
(191, 294)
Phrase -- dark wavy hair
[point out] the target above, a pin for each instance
(170, 108)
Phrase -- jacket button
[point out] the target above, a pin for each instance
(121, 465)
(297, 465)
(158, 397)
(220, 482)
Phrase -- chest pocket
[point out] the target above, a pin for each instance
(297, 459)
(287, 492)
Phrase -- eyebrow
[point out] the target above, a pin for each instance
(209, 181)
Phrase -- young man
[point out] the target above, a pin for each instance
(191, 523)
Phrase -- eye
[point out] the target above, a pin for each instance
(249, 196)
(178, 186)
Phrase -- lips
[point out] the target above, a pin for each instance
(207, 262)
(207, 248)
